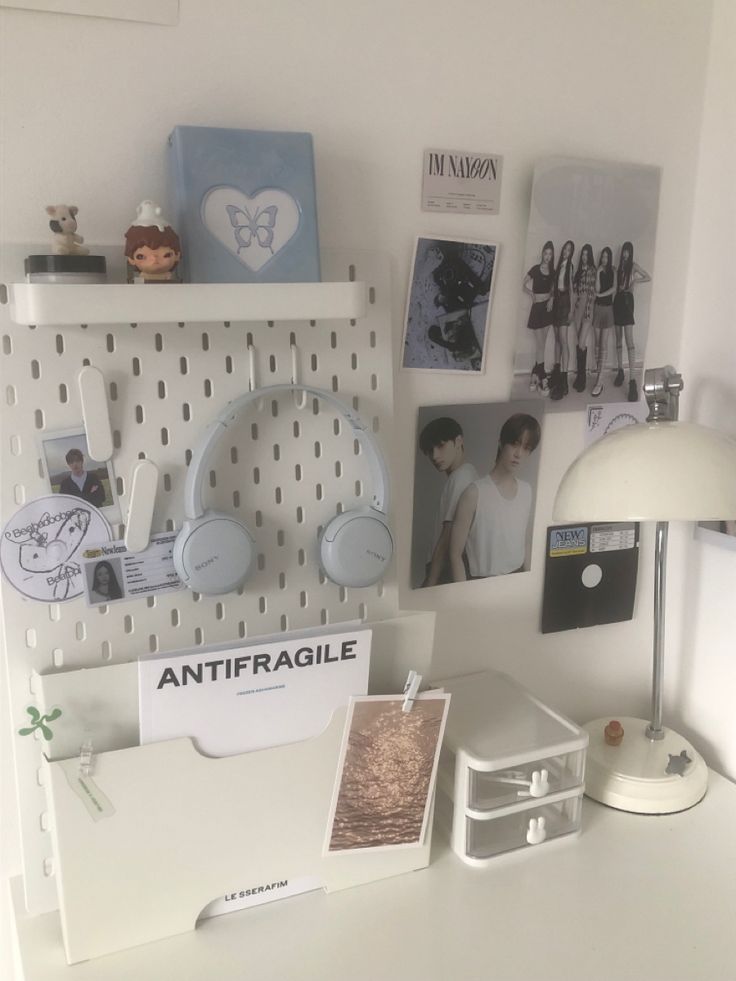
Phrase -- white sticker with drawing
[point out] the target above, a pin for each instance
(604, 418)
(40, 546)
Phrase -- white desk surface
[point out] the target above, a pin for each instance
(635, 898)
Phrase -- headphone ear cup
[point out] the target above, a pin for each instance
(214, 553)
(356, 547)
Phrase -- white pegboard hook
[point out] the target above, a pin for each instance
(143, 487)
(95, 413)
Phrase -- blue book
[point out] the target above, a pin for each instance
(244, 205)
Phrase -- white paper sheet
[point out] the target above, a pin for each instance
(254, 695)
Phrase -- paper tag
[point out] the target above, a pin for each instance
(602, 419)
(568, 541)
(612, 538)
(96, 803)
(461, 182)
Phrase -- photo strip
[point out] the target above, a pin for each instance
(475, 483)
(586, 283)
(449, 304)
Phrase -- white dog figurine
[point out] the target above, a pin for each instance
(64, 226)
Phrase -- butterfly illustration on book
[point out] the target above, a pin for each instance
(259, 226)
(254, 229)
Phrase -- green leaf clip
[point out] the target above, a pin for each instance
(39, 722)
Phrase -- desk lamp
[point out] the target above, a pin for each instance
(662, 470)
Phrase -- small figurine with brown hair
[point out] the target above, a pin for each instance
(152, 247)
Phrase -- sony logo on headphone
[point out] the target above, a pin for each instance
(203, 565)
(381, 558)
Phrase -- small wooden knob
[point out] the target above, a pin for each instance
(613, 733)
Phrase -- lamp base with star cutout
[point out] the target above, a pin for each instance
(643, 775)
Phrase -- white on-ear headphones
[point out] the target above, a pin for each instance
(214, 551)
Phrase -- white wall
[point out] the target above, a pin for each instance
(86, 108)
(88, 104)
(703, 584)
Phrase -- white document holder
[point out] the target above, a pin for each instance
(187, 829)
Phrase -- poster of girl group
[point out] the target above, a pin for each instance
(586, 283)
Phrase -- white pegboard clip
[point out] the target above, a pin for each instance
(95, 413)
(411, 689)
(143, 487)
(85, 757)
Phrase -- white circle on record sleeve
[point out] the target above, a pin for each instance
(42, 545)
(592, 575)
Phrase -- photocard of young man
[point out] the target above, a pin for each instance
(448, 306)
(586, 283)
(70, 469)
(475, 483)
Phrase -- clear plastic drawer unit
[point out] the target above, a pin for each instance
(511, 772)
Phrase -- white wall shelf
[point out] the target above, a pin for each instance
(121, 303)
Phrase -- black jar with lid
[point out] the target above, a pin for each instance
(67, 269)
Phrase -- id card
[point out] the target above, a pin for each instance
(112, 573)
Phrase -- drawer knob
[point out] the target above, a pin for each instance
(539, 787)
(536, 832)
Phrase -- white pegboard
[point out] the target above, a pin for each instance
(286, 470)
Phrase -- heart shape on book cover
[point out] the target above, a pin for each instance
(253, 229)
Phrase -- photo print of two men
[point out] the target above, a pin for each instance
(475, 485)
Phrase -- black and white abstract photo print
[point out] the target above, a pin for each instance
(449, 304)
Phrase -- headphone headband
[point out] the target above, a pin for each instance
(193, 490)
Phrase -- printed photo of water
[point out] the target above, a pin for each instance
(388, 772)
